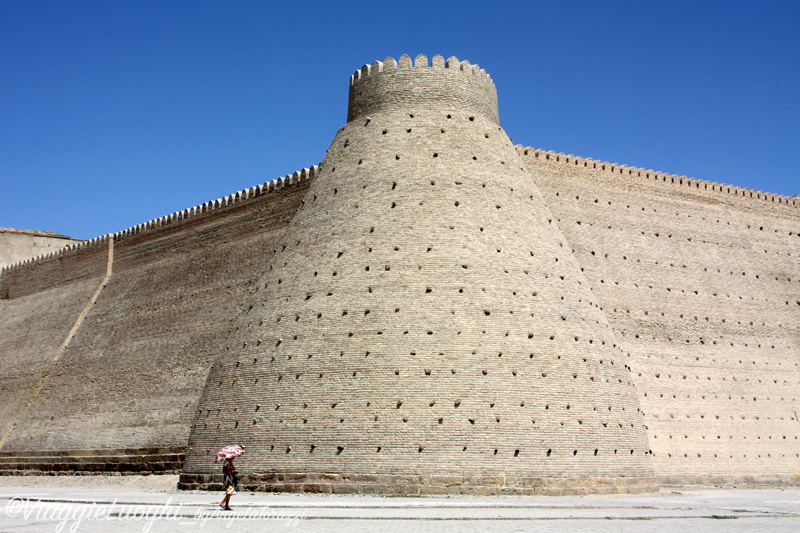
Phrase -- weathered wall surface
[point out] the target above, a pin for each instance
(132, 375)
(435, 312)
(702, 288)
(18, 245)
(388, 86)
(34, 323)
(422, 327)
(76, 263)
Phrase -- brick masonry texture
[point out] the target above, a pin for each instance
(132, 375)
(430, 311)
(702, 290)
(422, 315)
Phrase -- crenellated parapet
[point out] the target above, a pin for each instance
(431, 310)
(410, 321)
(421, 61)
(220, 203)
(451, 85)
(44, 258)
(656, 176)
(213, 205)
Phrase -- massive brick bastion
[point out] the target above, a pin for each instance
(429, 310)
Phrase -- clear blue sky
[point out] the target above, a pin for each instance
(113, 113)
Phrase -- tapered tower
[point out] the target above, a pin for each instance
(423, 327)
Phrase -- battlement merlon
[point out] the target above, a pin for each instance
(664, 177)
(450, 85)
(298, 176)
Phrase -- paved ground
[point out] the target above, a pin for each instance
(89, 504)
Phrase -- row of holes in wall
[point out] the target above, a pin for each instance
(534, 358)
(767, 277)
(731, 437)
(369, 233)
(428, 248)
(696, 341)
(461, 290)
(737, 274)
(549, 452)
(729, 456)
(730, 397)
(735, 238)
(738, 405)
(538, 357)
(564, 315)
(368, 122)
(374, 318)
(698, 361)
(736, 242)
(362, 372)
(750, 226)
(384, 313)
(429, 332)
(456, 203)
(695, 362)
(428, 129)
(444, 421)
(410, 127)
(659, 375)
(708, 320)
(523, 300)
(466, 180)
(615, 313)
(454, 404)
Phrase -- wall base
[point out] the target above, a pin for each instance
(728, 480)
(405, 485)
(106, 461)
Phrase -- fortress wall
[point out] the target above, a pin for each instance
(423, 324)
(393, 86)
(32, 327)
(702, 288)
(76, 262)
(425, 316)
(696, 188)
(133, 373)
(40, 300)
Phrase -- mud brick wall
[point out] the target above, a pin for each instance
(133, 373)
(701, 284)
(422, 315)
(432, 310)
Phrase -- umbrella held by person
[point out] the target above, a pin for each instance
(230, 482)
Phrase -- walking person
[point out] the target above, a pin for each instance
(229, 480)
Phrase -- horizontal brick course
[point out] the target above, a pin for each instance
(431, 311)
(400, 484)
(157, 460)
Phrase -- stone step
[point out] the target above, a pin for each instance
(100, 451)
(93, 458)
(52, 462)
(11, 469)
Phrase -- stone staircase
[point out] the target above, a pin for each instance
(105, 461)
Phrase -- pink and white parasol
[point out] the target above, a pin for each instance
(229, 452)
